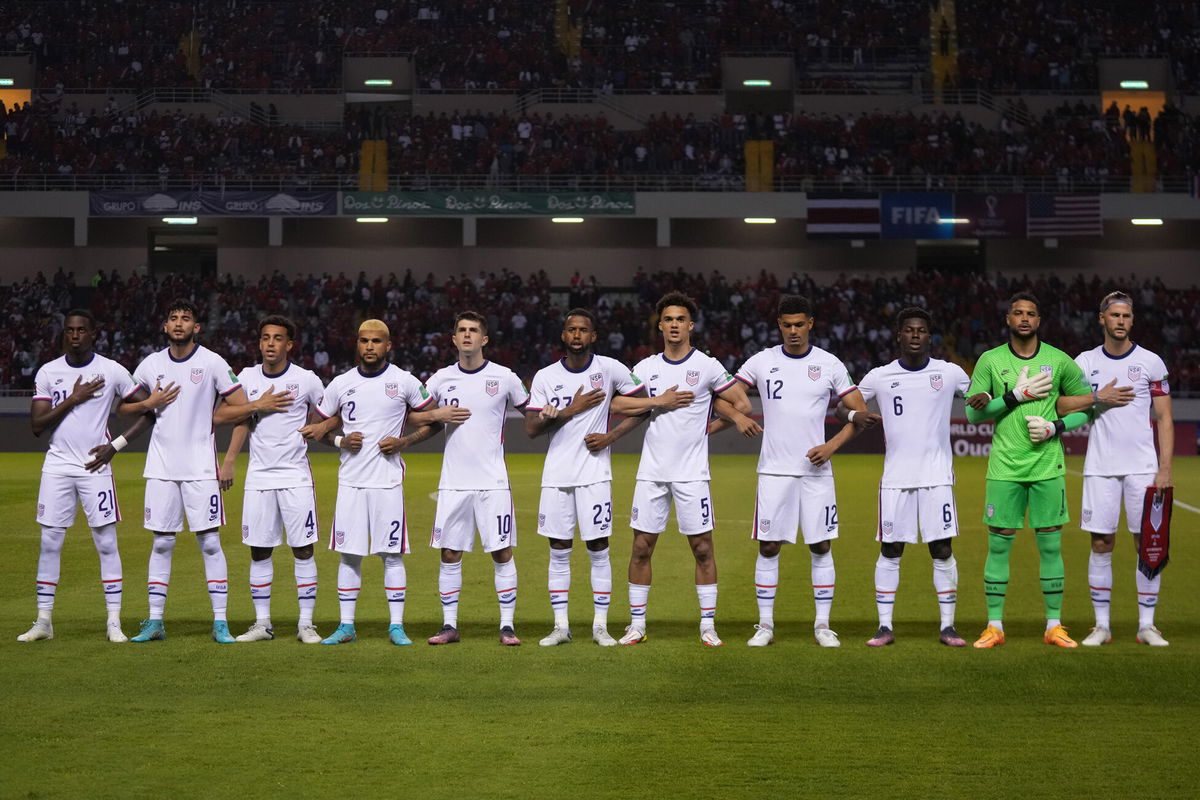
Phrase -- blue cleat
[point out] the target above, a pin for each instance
(221, 634)
(397, 636)
(152, 631)
(343, 635)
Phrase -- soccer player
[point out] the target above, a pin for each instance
(279, 497)
(1121, 462)
(181, 465)
(371, 402)
(1022, 378)
(570, 399)
(915, 394)
(473, 492)
(74, 395)
(674, 463)
(796, 380)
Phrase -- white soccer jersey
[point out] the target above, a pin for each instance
(795, 393)
(474, 455)
(376, 406)
(915, 405)
(568, 461)
(86, 425)
(182, 446)
(675, 449)
(278, 453)
(1121, 441)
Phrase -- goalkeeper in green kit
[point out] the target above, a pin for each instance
(1017, 385)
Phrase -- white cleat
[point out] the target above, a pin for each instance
(308, 635)
(633, 635)
(1097, 637)
(826, 638)
(556, 636)
(710, 639)
(1152, 637)
(257, 633)
(40, 630)
(115, 634)
(602, 637)
(762, 637)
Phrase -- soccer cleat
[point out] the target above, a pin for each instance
(447, 635)
(602, 637)
(1151, 636)
(633, 635)
(826, 637)
(991, 637)
(257, 633)
(882, 638)
(763, 636)
(710, 639)
(39, 631)
(949, 637)
(397, 636)
(1058, 636)
(152, 631)
(114, 633)
(557, 636)
(508, 637)
(344, 634)
(221, 634)
(1097, 637)
(308, 635)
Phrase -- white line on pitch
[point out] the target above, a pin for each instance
(1177, 501)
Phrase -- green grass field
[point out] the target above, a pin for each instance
(671, 718)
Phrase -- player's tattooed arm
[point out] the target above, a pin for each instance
(1165, 425)
(144, 402)
(733, 407)
(236, 408)
(1107, 396)
(417, 436)
(43, 417)
(102, 454)
(669, 400)
(237, 439)
(595, 442)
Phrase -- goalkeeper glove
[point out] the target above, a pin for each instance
(1041, 430)
(1027, 388)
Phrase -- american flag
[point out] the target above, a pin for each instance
(843, 215)
(1065, 215)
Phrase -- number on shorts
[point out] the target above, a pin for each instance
(947, 514)
(350, 411)
(393, 535)
(775, 390)
(108, 501)
(705, 511)
(599, 509)
(503, 526)
(311, 522)
(831, 515)
(897, 405)
(214, 504)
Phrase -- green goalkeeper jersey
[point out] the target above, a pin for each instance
(1013, 457)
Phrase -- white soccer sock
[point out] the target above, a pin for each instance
(1147, 591)
(766, 582)
(601, 586)
(105, 539)
(349, 582)
(159, 573)
(215, 572)
(506, 590)
(262, 575)
(707, 595)
(823, 578)
(887, 581)
(49, 560)
(560, 584)
(945, 583)
(395, 586)
(639, 596)
(450, 587)
(306, 588)
(1100, 584)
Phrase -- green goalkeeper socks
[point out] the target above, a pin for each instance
(1051, 571)
(995, 574)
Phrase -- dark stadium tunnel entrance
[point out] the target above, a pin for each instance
(187, 250)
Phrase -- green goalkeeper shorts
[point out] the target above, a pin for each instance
(1007, 500)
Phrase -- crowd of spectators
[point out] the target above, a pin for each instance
(855, 316)
(655, 45)
(1075, 143)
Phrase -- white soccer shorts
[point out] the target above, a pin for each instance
(369, 521)
(652, 505)
(786, 503)
(929, 509)
(268, 513)
(1102, 495)
(168, 502)
(60, 495)
(561, 507)
(460, 512)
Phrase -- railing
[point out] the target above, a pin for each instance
(978, 97)
(590, 183)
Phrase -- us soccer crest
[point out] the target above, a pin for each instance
(391, 390)
(1134, 373)
(293, 390)
(693, 377)
(41, 509)
(339, 538)
(935, 381)
(991, 510)
(245, 532)
(597, 380)
(1087, 515)
(887, 527)
(633, 514)
(1046, 368)
(764, 525)
(541, 520)
(147, 514)
(197, 374)
(491, 386)
(814, 372)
